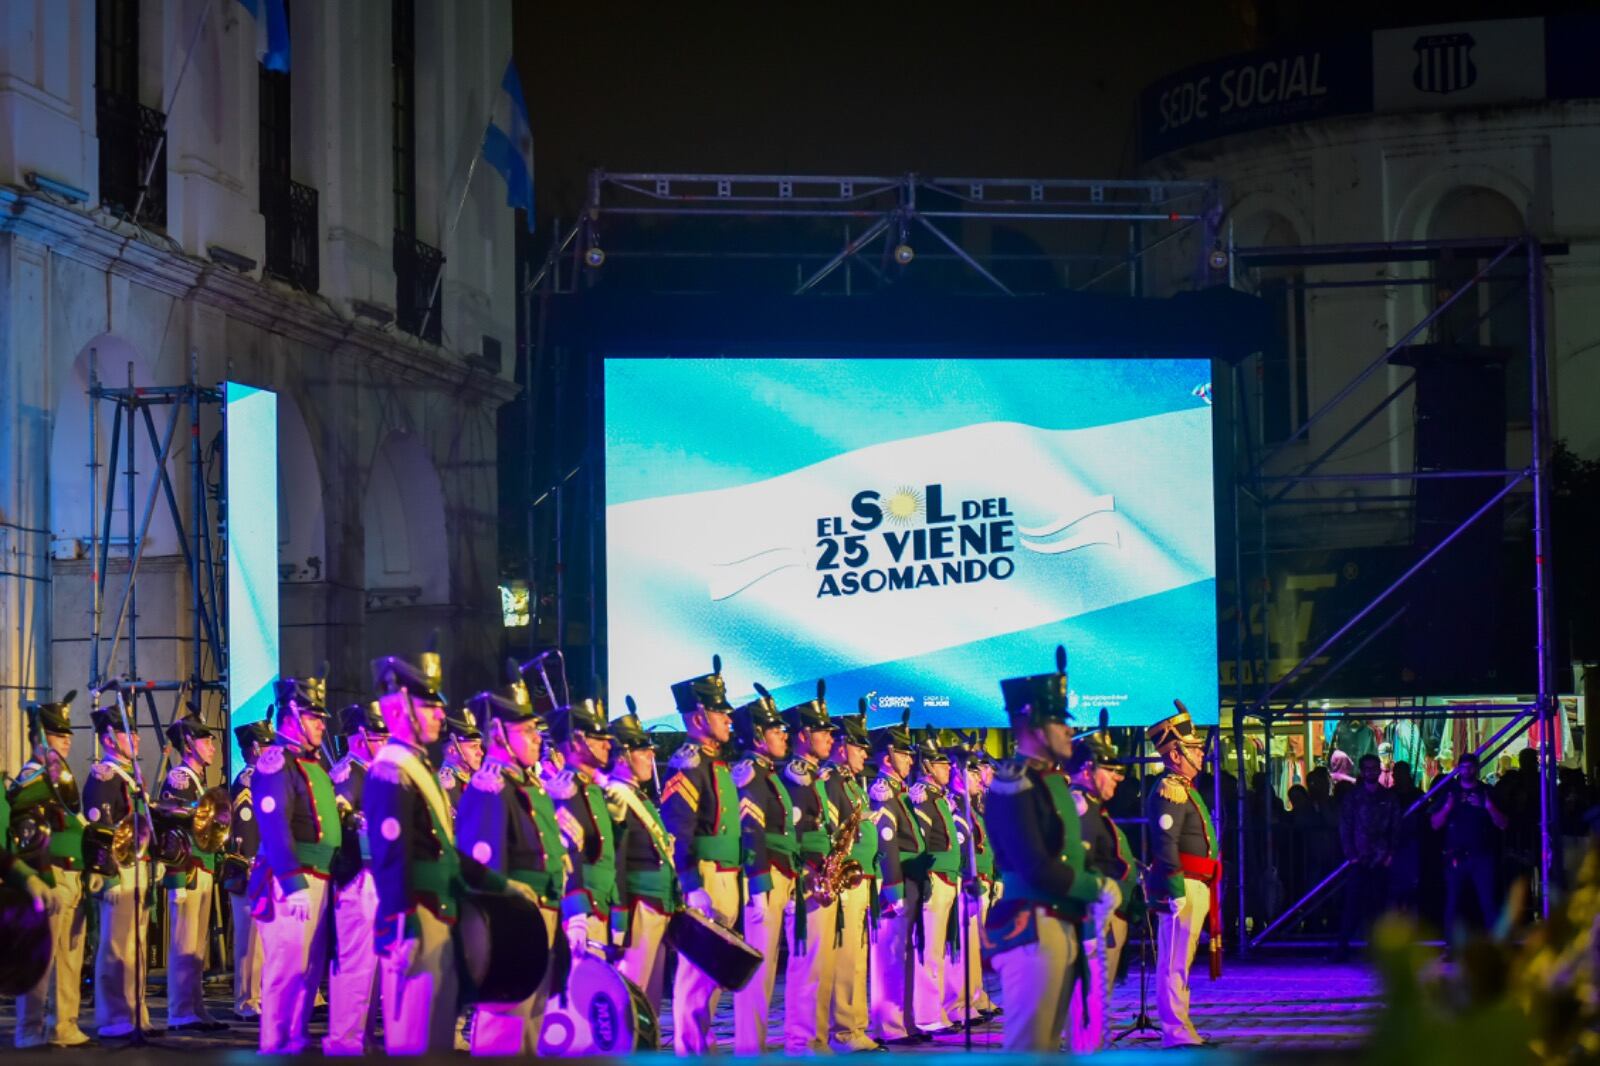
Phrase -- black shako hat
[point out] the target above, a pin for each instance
(1041, 698)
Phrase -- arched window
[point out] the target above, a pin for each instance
(407, 558)
(1496, 313)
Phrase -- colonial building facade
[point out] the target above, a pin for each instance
(289, 238)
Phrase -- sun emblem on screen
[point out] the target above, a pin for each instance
(902, 506)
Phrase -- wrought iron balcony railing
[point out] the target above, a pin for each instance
(416, 271)
(130, 134)
(292, 248)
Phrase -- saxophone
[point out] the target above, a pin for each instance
(838, 870)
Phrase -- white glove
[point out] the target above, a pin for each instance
(577, 929)
(517, 888)
(296, 906)
(1110, 895)
(44, 901)
(179, 895)
(402, 955)
(699, 901)
(97, 884)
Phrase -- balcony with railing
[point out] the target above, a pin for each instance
(291, 213)
(130, 134)
(416, 273)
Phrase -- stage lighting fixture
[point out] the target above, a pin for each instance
(1219, 259)
(904, 253)
(595, 255)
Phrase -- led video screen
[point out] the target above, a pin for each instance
(912, 530)
(251, 468)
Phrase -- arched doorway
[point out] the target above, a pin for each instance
(407, 568)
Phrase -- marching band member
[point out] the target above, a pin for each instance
(463, 755)
(297, 815)
(353, 977)
(60, 868)
(189, 887)
(117, 848)
(766, 820)
(1095, 771)
(507, 822)
(1185, 864)
(244, 841)
(585, 820)
(808, 979)
(977, 890)
(902, 891)
(1031, 933)
(700, 806)
(649, 888)
(941, 870)
(419, 873)
(847, 792)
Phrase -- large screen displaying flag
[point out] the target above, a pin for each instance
(251, 463)
(912, 530)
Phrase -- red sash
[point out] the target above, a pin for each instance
(1208, 872)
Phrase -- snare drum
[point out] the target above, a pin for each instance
(723, 955)
(601, 1013)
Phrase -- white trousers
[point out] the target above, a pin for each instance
(931, 970)
(763, 928)
(644, 960)
(419, 990)
(1036, 981)
(293, 956)
(849, 1001)
(353, 978)
(63, 978)
(1177, 936)
(118, 979)
(808, 978)
(188, 922)
(967, 965)
(1089, 1019)
(246, 957)
(892, 964)
(694, 993)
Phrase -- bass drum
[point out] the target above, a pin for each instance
(601, 1013)
(24, 942)
(502, 951)
(724, 956)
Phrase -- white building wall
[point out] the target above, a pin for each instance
(73, 277)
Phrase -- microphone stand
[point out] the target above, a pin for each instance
(962, 905)
(1141, 1022)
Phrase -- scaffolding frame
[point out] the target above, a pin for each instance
(1269, 706)
(201, 541)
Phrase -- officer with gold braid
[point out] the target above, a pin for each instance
(1185, 866)
(579, 729)
(45, 792)
(847, 793)
(1032, 932)
(700, 806)
(649, 884)
(808, 980)
(766, 820)
(297, 814)
(507, 822)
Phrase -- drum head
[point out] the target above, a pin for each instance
(602, 1013)
(502, 946)
(24, 942)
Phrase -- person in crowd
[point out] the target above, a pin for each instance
(1368, 819)
(1471, 823)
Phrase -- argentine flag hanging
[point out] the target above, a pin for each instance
(272, 32)
(508, 142)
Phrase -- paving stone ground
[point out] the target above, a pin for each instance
(1259, 1009)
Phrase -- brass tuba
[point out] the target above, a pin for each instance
(213, 819)
(184, 828)
(838, 871)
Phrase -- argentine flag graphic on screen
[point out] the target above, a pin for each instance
(912, 530)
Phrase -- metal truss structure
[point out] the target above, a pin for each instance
(882, 215)
(1288, 699)
(132, 410)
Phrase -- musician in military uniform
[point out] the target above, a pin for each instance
(585, 821)
(507, 822)
(1185, 868)
(940, 871)
(978, 887)
(420, 875)
(46, 793)
(808, 979)
(700, 806)
(353, 977)
(297, 816)
(648, 887)
(116, 847)
(463, 754)
(1032, 931)
(768, 847)
(189, 884)
(244, 841)
(847, 794)
(1095, 770)
(902, 868)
